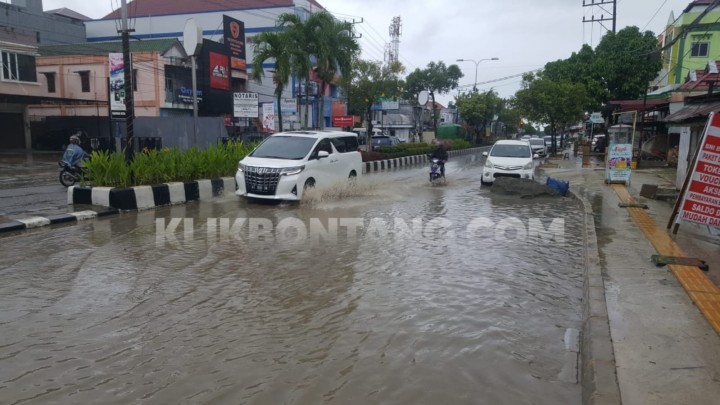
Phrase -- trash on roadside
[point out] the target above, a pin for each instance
(560, 186)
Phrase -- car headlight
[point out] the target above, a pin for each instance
(489, 164)
(291, 171)
(528, 166)
(241, 167)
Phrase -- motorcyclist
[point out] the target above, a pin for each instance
(441, 154)
(74, 154)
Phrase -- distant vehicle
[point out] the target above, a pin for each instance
(508, 159)
(384, 140)
(362, 134)
(548, 141)
(538, 146)
(525, 137)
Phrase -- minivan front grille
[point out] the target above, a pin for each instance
(261, 180)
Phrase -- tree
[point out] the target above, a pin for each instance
(333, 46)
(278, 47)
(368, 82)
(437, 78)
(510, 116)
(556, 103)
(479, 109)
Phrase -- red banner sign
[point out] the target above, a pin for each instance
(219, 71)
(701, 202)
(340, 121)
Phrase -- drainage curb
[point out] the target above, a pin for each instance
(387, 164)
(38, 221)
(598, 374)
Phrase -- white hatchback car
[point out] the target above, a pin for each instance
(508, 159)
(287, 163)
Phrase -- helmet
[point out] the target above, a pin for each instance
(75, 139)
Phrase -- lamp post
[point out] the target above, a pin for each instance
(476, 62)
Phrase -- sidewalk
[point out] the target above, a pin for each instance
(665, 349)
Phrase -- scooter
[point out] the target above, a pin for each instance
(435, 171)
(69, 175)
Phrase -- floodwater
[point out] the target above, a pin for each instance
(396, 292)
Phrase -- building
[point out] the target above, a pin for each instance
(690, 45)
(23, 28)
(166, 19)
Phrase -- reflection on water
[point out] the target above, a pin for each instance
(433, 314)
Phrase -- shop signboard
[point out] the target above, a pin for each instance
(701, 201)
(245, 105)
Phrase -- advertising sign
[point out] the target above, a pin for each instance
(701, 202)
(340, 121)
(117, 85)
(618, 163)
(268, 121)
(245, 105)
(288, 105)
(219, 72)
(234, 32)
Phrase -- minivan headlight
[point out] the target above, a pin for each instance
(489, 164)
(528, 166)
(291, 171)
(241, 167)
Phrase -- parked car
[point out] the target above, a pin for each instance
(384, 140)
(287, 163)
(538, 146)
(508, 158)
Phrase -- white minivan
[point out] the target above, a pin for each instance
(508, 159)
(287, 163)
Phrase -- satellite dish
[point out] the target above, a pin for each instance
(423, 97)
(192, 38)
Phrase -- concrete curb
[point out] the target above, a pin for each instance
(598, 374)
(38, 221)
(387, 164)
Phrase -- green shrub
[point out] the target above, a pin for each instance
(108, 169)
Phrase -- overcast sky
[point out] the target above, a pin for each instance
(523, 34)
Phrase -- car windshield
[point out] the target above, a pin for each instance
(514, 151)
(539, 142)
(284, 147)
(379, 139)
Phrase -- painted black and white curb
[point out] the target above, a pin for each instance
(146, 197)
(38, 221)
(387, 164)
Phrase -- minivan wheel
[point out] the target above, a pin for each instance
(309, 183)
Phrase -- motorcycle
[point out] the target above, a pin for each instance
(69, 175)
(435, 170)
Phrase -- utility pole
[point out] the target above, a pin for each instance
(127, 72)
(600, 4)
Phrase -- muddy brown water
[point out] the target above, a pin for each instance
(464, 308)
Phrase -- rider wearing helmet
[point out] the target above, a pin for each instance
(441, 154)
(74, 154)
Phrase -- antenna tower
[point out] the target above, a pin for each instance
(393, 48)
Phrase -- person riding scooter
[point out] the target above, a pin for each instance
(74, 154)
(441, 154)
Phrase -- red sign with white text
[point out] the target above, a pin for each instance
(701, 202)
(340, 121)
(219, 71)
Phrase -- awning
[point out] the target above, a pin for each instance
(637, 105)
(693, 112)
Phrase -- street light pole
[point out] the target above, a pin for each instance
(477, 63)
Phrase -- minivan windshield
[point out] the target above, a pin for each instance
(284, 147)
(513, 151)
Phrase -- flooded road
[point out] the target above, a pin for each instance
(395, 292)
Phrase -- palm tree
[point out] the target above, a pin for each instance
(278, 46)
(300, 64)
(333, 45)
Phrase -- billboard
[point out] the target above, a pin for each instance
(117, 85)
(701, 202)
(219, 71)
(234, 32)
(245, 105)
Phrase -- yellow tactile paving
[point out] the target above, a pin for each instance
(703, 292)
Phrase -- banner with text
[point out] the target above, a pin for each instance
(701, 202)
(268, 121)
(245, 105)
